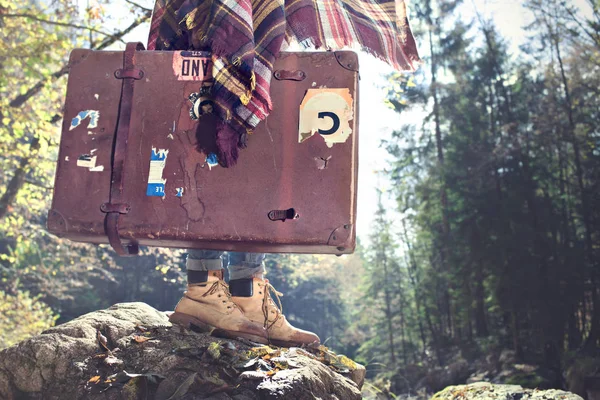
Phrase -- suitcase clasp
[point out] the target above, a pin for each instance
(282, 215)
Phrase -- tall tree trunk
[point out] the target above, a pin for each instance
(414, 281)
(574, 335)
(480, 323)
(594, 336)
(443, 251)
(576, 151)
(18, 179)
(514, 328)
(403, 330)
(414, 278)
(388, 311)
(539, 250)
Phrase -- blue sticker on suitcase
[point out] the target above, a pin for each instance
(156, 183)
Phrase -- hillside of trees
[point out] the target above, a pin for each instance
(483, 258)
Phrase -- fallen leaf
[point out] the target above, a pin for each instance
(125, 376)
(112, 360)
(248, 364)
(252, 375)
(183, 388)
(102, 340)
(264, 365)
(229, 345)
(214, 349)
(140, 339)
(213, 378)
(260, 351)
(280, 363)
(94, 379)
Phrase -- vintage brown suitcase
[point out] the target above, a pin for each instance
(137, 160)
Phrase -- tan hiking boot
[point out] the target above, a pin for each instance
(209, 307)
(253, 297)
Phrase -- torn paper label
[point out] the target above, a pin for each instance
(156, 183)
(212, 160)
(93, 115)
(86, 161)
(328, 112)
(179, 192)
(89, 161)
(192, 65)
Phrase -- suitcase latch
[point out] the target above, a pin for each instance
(285, 75)
(282, 215)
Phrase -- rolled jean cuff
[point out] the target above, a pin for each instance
(246, 259)
(204, 254)
(246, 271)
(204, 260)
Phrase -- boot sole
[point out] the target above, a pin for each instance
(194, 324)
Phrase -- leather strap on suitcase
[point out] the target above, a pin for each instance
(116, 205)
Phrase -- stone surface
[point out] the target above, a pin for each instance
(487, 391)
(131, 351)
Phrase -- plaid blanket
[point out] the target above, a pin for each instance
(244, 38)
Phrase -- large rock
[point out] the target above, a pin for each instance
(131, 351)
(486, 391)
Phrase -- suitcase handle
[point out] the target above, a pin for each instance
(116, 206)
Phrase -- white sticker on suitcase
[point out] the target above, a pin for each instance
(327, 112)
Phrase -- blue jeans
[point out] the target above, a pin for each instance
(239, 265)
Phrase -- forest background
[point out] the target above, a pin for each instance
(482, 258)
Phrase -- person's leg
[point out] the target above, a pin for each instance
(246, 265)
(252, 294)
(207, 303)
(199, 262)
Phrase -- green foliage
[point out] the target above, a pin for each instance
(497, 219)
(22, 316)
(527, 380)
(71, 278)
(487, 240)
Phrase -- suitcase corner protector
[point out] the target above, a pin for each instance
(56, 223)
(347, 59)
(341, 236)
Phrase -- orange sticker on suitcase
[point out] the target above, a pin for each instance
(327, 112)
(192, 65)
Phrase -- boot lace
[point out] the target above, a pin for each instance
(268, 303)
(218, 286)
